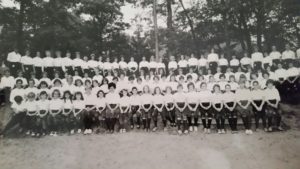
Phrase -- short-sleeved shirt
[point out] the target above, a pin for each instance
(234, 62)
(13, 57)
(43, 104)
(48, 62)
(223, 62)
(193, 62)
(288, 54)
(56, 104)
(18, 107)
(37, 62)
(212, 57)
(7, 82)
(123, 65)
(172, 65)
(144, 64)
(31, 106)
(26, 60)
(271, 94)
(183, 63)
(112, 98)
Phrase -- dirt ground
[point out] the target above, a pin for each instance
(139, 150)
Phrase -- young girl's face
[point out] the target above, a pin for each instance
(57, 84)
(86, 75)
(43, 97)
(76, 73)
(146, 89)
(204, 86)
(125, 93)
(67, 96)
(95, 84)
(191, 88)
(78, 96)
(255, 85)
(101, 95)
(270, 85)
(78, 83)
(179, 89)
(168, 90)
(43, 86)
(111, 89)
(217, 89)
(227, 88)
(134, 91)
(232, 79)
(56, 95)
(31, 83)
(157, 90)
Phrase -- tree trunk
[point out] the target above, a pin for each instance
(246, 31)
(190, 22)
(155, 28)
(20, 27)
(225, 22)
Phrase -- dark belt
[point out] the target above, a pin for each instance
(218, 105)
(193, 105)
(147, 106)
(113, 105)
(180, 105)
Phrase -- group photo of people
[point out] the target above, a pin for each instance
(55, 92)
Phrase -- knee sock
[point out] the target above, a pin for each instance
(145, 123)
(131, 120)
(218, 124)
(270, 121)
(222, 123)
(165, 123)
(204, 123)
(196, 122)
(278, 120)
(148, 123)
(179, 124)
(209, 123)
(234, 123)
(138, 120)
(189, 119)
(185, 125)
(245, 122)
(230, 121)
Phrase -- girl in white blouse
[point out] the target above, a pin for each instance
(181, 110)
(31, 114)
(273, 110)
(124, 109)
(158, 103)
(192, 105)
(67, 111)
(101, 105)
(112, 107)
(218, 104)
(43, 110)
(230, 104)
(146, 107)
(170, 106)
(78, 111)
(206, 112)
(135, 108)
(55, 110)
(258, 102)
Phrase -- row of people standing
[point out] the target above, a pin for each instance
(83, 64)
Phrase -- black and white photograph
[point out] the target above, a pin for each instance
(150, 84)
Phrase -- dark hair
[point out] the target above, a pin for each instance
(112, 85)
(43, 82)
(64, 95)
(57, 80)
(56, 90)
(18, 99)
(78, 93)
(43, 93)
(100, 91)
(19, 80)
(270, 81)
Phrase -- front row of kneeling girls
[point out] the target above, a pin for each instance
(85, 112)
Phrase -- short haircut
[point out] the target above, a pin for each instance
(112, 85)
(18, 99)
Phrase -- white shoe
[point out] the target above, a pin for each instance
(208, 131)
(121, 131)
(90, 131)
(191, 128)
(247, 132)
(85, 131)
(223, 131)
(165, 129)
(79, 131)
(250, 131)
(154, 129)
(72, 131)
(32, 134)
(54, 134)
(28, 133)
(219, 131)
(179, 132)
(124, 130)
(186, 131)
(51, 133)
(195, 128)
